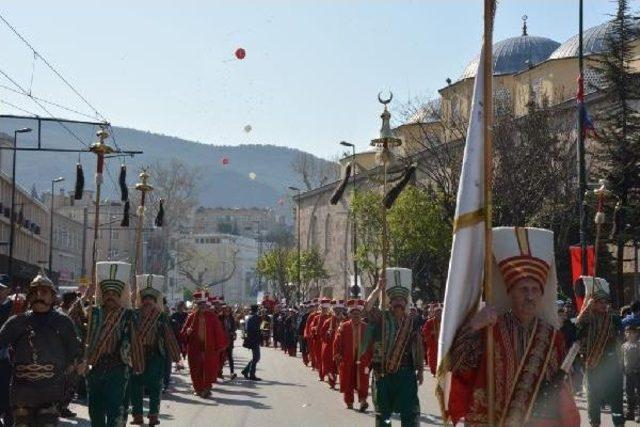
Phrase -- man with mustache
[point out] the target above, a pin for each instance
(530, 387)
(45, 347)
(113, 349)
(398, 353)
(158, 344)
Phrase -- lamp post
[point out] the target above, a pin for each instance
(13, 199)
(355, 290)
(296, 189)
(53, 182)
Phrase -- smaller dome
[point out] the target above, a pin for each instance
(594, 41)
(515, 54)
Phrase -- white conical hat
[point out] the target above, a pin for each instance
(595, 286)
(113, 275)
(150, 284)
(399, 282)
(525, 253)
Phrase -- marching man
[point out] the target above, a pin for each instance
(430, 332)
(316, 338)
(530, 388)
(353, 361)
(327, 334)
(158, 344)
(45, 348)
(205, 340)
(308, 334)
(398, 358)
(112, 345)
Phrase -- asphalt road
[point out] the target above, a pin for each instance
(289, 395)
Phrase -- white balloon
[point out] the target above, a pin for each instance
(252, 175)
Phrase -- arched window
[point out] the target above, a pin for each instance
(327, 234)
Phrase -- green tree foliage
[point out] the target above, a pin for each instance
(274, 265)
(312, 271)
(618, 123)
(419, 237)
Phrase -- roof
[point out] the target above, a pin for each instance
(515, 54)
(594, 41)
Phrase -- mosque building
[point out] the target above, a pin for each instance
(526, 68)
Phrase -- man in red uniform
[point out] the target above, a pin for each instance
(328, 330)
(316, 337)
(430, 333)
(530, 387)
(308, 332)
(347, 345)
(205, 339)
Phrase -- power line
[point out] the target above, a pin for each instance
(43, 108)
(19, 109)
(44, 60)
(46, 101)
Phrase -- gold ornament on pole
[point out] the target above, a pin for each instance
(602, 193)
(100, 149)
(143, 187)
(385, 157)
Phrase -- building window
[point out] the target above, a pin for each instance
(327, 234)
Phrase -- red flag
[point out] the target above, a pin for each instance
(576, 269)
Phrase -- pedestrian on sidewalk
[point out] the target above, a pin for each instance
(252, 342)
(229, 325)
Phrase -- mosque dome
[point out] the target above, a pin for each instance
(515, 54)
(594, 42)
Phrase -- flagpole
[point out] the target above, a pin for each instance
(582, 175)
(487, 102)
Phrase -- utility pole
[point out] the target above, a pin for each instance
(13, 200)
(85, 227)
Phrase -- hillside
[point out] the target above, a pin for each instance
(220, 185)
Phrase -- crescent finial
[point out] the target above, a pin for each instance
(385, 101)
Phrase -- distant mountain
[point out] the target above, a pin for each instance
(227, 185)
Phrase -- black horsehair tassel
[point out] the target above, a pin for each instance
(79, 182)
(393, 194)
(337, 194)
(160, 216)
(124, 191)
(125, 216)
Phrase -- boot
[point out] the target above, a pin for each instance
(153, 420)
(137, 420)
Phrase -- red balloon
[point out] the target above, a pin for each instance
(225, 161)
(240, 53)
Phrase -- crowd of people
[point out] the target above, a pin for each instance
(110, 347)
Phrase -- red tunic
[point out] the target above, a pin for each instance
(353, 376)
(430, 333)
(316, 341)
(204, 344)
(308, 336)
(327, 364)
(519, 381)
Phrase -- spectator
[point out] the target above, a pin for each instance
(632, 319)
(252, 342)
(631, 359)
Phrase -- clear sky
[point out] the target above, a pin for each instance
(311, 73)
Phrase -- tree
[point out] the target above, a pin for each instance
(313, 171)
(367, 208)
(312, 271)
(617, 153)
(274, 265)
(421, 240)
(176, 184)
(205, 269)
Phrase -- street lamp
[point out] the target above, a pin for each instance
(13, 199)
(53, 181)
(355, 290)
(296, 189)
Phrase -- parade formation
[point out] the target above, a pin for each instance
(498, 313)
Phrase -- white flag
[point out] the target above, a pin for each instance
(466, 266)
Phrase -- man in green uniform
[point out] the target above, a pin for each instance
(112, 346)
(398, 354)
(599, 332)
(159, 344)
